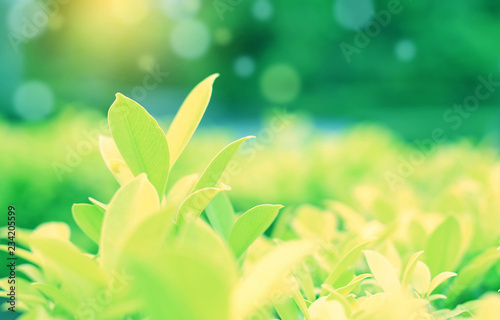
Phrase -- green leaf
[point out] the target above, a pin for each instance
(286, 308)
(410, 268)
(220, 213)
(299, 299)
(421, 279)
(344, 264)
(217, 166)
(59, 230)
(304, 278)
(57, 297)
(194, 205)
(441, 253)
(440, 278)
(140, 140)
(89, 218)
(23, 254)
(471, 275)
(188, 117)
(99, 205)
(65, 260)
(179, 192)
(311, 222)
(324, 308)
(250, 226)
(114, 160)
(132, 204)
(383, 271)
(188, 280)
(354, 282)
(149, 235)
(266, 279)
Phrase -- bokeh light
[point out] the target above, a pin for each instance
(11, 71)
(244, 66)
(353, 14)
(130, 12)
(180, 9)
(33, 100)
(222, 36)
(27, 18)
(190, 39)
(405, 50)
(262, 9)
(280, 83)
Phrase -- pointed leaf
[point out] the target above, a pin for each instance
(114, 160)
(440, 278)
(194, 205)
(346, 262)
(383, 271)
(250, 226)
(220, 213)
(441, 252)
(266, 279)
(410, 268)
(286, 308)
(217, 166)
(99, 205)
(57, 296)
(188, 117)
(140, 141)
(354, 282)
(89, 219)
(421, 279)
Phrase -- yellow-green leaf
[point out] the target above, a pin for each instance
(266, 279)
(187, 280)
(132, 204)
(99, 205)
(441, 253)
(323, 309)
(351, 285)
(217, 166)
(410, 268)
(89, 219)
(383, 271)
(346, 262)
(140, 141)
(194, 205)
(66, 260)
(114, 160)
(440, 278)
(286, 308)
(250, 226)
(421, 279)
(188, 117)
(57, 297)
(220, 213)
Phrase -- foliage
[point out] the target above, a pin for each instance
(179, 251)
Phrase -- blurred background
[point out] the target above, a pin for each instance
(409, 67)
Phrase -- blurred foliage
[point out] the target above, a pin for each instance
(290, 162)
(384, 230)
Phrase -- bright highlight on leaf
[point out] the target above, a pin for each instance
(188, 117)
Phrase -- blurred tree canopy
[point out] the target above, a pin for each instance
(407, 59)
